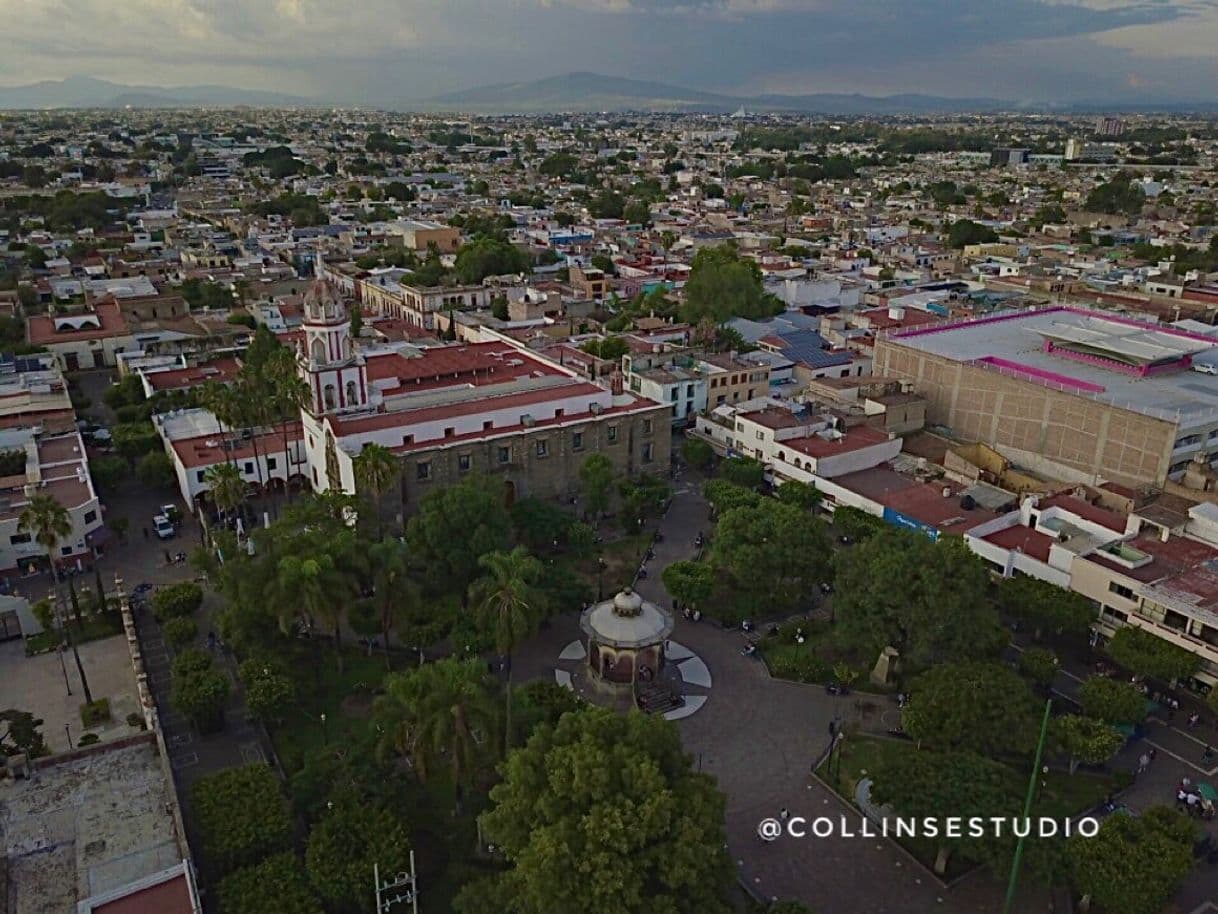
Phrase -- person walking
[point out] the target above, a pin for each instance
(1143, 763)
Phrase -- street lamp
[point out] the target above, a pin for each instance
(600, 578)
(324, 740)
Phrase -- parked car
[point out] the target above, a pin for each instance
(163, 526)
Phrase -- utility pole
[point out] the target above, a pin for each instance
(404, 881)
(1027, 809)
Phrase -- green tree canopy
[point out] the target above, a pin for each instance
(691, 583)
(743, 471)
(1112, 701)
(279, 883)
(722, 285)
(1136, 863)
(772, 552)
(724, 496)
(596, 475)
(697, 453)
(603, 812)
(1044, 606)
(242, 816)
(1085, 739)
(1143, 653)
(997, 717)
(483, 257)
(966, 231)
(342, 849)
(929, 600)
(801, 495)
(455, 526)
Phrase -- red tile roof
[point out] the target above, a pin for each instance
(42, 330)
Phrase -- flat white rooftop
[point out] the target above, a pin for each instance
(1012, 343)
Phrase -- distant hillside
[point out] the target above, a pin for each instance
(594, 92)
(86, 92)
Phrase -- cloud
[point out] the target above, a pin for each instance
(388, 51)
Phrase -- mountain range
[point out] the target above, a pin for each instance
(596, 92)
(87, 92)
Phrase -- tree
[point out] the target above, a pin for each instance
(155, 471)
(174, 601)
(723, 285)
(242, 817)
(743, 471)
(539, 524)
(801, 495)
(856, 524)
(966, 231)
(455, 526)
(596, 477)
(344, 846)
(929, 600)
(1039, 664)
(440, 713)
(483, 257)
(773, 554)
(20, 734)
(1112, 701)
(49, 523)
(561, 804)
(1085, 739)
(394, 590)
(199, 691)
(928, 784)
(269, 691)
(226, 485)
(376, 471)
(509, 603)
(1143, 653)
(108, 473)
(1119, 195)
(1044, 606)
(279, 883)
(998, 717)
(317, 586)
(641, 498)
(1134, 864)
(180, 631)
(690, 583)
(698, 453)
(724, 496)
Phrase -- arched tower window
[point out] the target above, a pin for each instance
(319, 350)
(328, 394)
(352, 393)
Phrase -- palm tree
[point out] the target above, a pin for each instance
(376, 469)
(226, 485)
(437, 711)
(49, 523)
(289, 394)
(224, 402)
(508, 601)
(394, 589)
(317, 587)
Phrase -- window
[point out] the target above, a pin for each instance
(647, 452)
(673, 394)
(542, 447)
(450, 431)
(689, 391)
(488, 425)
(201, 475)
(90, 516)
(751, 394)
(463, 462)
(577, 441)
(66, 550)
(18, 538)
(646, 426)
(760, 436)
(611, 433)
(408, 439)
(1120, 590)
(505, 454)
(422, 470)
(352, 392)
(249, 466)
(272, 463)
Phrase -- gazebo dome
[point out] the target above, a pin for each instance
(626, 621)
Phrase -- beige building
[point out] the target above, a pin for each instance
(420, 236)
(1075, 394)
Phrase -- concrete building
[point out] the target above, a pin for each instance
(421, 236)
(84, 339)
(1076, 394)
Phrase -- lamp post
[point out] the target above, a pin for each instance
(324, 740)
(600, 578)
(1027, 809)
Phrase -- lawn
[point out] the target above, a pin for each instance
(1061, 796)
(93, 628)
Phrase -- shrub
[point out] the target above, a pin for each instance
(95, 712)
(180, 631)
(135, 719)
(242, 816)
(191, 661)
(89, 739)
(797, 663)
(177, 600)
(268, 691)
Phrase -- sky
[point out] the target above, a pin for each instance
(388, 52)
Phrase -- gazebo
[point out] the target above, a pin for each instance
(626, 637)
